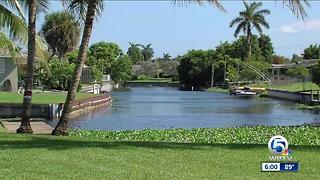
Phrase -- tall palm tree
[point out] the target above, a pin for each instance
(92, 10)
(147, 52)
(134, 53)
(132, 47)
(251, 18)
(62, 33)
(25, 126)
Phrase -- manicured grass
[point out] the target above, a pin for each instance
(40, 98)
(298, 87)
(75, 157)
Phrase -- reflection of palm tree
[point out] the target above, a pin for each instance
(91, 9)
(251, 17)
(147, 51)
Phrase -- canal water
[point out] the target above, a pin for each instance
(165, 108)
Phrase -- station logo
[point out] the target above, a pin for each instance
(278, 146)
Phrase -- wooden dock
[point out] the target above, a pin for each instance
(38, 127)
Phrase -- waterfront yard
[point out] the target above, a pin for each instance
(40, 97)
(294, 87)
(76, 157)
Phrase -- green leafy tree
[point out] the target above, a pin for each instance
(266, 47)
(300, 71)
(169, 69)
(103, 55)
(147, 52)
(61, 74)
(279, 59)
(251, 18)
(122, 69)
(312, 52)
(195, 68)
(62, 33)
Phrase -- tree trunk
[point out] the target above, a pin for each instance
(62, 127)
(25, 126)
(249, 41)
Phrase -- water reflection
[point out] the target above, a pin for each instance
(163, 108)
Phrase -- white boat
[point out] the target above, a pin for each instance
(245, 92)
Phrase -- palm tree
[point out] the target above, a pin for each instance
(251, 18)
(25, 126)
(166, 56)
(132, 47)
(147, 52)
(62, 33)
(134, 53)
(92, 10)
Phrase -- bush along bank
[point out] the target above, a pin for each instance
(297, 135)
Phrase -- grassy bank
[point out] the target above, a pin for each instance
(76, 157)
(217, 89)
(40, 98)
(294, 87)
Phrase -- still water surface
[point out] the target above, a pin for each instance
(165, 108)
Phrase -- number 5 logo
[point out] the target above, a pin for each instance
(277, 144)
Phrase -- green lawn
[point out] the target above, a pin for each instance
(74, 157)
(298, 87)
(217, 89)
(40, 98)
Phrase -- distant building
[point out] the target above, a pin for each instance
(278, 71)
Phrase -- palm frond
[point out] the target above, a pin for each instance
(214, 3)
(15, 25)
(79, 8)
(297, 7)
(236, 20)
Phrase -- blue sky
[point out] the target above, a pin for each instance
(176, 29)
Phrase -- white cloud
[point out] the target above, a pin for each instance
(298, 27)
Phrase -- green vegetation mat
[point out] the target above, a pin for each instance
(80, 157)
(300, 135)
(40, 98)
(298, 87)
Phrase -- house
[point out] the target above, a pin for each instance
(278, 71)
(9, 72)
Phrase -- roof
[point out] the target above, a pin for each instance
(306, 63)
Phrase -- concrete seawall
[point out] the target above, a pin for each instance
(299, 97)
(54, 111)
